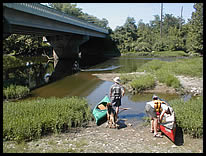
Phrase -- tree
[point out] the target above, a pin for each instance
(67, 8)
(145, 37)
(194, 41)
(71, 9)
(125, 36)
(155, 24)
(170, 21)
(17, 44)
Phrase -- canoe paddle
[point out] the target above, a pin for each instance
(122, 109)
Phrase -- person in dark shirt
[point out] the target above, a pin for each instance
(116, 93)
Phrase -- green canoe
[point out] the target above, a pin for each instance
(100, 114)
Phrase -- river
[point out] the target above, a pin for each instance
(84, 84)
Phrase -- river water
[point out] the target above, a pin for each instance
(84, 84)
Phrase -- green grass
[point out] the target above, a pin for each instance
(28, 120)
(142, 82)
(15, 92)
(188, 67)
(158, 54)
(169, 54)
(189, 115)
(164, 76)
(126, 78)
(152, 66)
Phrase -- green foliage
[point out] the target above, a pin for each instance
(189, 67)
(67, 8)
(134, 54)
(169, 53)
(143, 46)
(29, 45)
(158, 54)
(176, 35)
(164, 76)
(72, 10)
(127, 78)
(194, 41)
(165, 72)
(11, 62)
(189, 115)
(15, 92)
(28, 120)
(152, 66)
(143, 82)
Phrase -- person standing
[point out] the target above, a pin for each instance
(116, 94)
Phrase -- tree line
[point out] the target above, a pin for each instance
(176, 34)
(131, 37)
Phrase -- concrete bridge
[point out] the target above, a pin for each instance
(65, 33)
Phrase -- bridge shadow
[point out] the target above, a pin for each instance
(99, 48)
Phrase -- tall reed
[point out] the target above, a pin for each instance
(28, 120)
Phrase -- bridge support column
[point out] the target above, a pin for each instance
(66, 47)
(6, 28)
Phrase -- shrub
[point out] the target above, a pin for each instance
(164, 76)
(127, 78)
(143, 82)
(189, 115)
(27, 120)
(15, 91)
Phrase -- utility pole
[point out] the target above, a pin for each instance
(161, 20)
(181, 18)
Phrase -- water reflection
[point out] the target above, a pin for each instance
(36, 72)
(61, 69)
(79, 84)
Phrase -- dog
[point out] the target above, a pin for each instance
(111, 116)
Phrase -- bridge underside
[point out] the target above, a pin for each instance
(65, 38)
(66, 46)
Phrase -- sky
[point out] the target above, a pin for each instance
(117, 13)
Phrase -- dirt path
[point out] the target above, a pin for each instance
(99, 139)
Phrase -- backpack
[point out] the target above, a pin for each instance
(117, 92)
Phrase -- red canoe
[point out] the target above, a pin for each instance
(169, 129)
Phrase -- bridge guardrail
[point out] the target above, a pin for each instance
(45, 11)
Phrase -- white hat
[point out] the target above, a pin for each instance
(116, 79)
